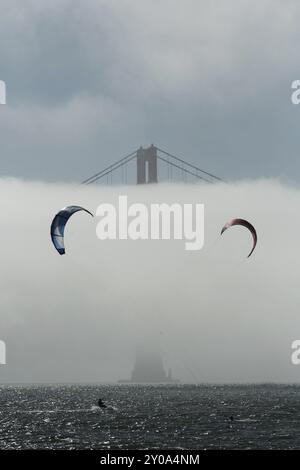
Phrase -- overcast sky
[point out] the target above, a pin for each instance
(90, 81)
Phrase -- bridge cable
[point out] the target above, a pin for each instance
(189, 164)
(109, 170)
(93, 178)
(183, 169)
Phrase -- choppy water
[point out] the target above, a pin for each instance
(163, 417)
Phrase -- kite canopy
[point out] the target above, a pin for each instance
(246, 224)
(59, 223)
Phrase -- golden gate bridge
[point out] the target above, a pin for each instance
(149, 163)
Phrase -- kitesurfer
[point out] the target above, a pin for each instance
(101, 404)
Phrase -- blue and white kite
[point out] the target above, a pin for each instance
(58, 226)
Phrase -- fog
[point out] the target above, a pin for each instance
(216, 315)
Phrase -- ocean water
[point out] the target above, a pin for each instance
(150, 417)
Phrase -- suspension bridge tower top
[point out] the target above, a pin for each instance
(146, 165)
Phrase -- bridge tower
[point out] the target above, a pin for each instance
(146, 165)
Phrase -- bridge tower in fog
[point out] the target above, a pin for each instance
(152, 165)
(146, 165)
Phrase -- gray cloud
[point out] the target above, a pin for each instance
(88, 82)
(213, 312)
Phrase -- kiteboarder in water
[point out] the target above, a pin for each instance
(101, 404)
